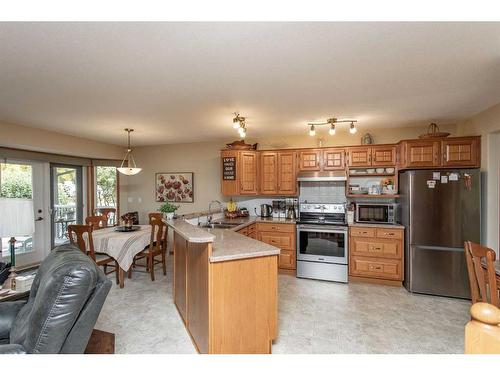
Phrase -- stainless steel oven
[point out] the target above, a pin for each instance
(322, 242)
(383, 213)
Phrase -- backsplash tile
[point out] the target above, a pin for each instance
(323, 191)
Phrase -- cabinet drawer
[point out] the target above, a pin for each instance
(362, 232)
(376, 247)
(243, 231)
(389, 233)
(378, 268)
(275, 227)
(287, 259)
(282, 240)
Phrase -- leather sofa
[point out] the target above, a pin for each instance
(65, 300)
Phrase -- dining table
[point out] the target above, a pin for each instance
(122, 246)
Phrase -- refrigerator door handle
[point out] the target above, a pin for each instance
(442, 248)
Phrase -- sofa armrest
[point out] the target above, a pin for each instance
(8, 313)
(12, 349)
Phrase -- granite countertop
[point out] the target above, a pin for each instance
(386, 226)
(227, 244)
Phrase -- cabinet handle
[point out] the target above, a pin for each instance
(388, 234)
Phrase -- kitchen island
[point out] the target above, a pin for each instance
(225, 289)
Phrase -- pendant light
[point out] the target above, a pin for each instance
(128, 166)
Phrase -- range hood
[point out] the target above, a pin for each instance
(322, 176)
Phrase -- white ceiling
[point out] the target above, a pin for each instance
(181, 82)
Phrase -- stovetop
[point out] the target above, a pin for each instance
(322, 214)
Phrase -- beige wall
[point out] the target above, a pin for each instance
(487, 124)
(203, 160)
(26, 138)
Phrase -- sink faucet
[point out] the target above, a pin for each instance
(221, 208)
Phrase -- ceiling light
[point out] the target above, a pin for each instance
(331, 131)
(312, 131)
(128, 166)
(238, 121)
(243, 132)
(352, 129)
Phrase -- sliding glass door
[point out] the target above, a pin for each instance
(26, 179)
(66, 200)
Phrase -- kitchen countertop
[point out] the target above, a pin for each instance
(385, 226)
(227, 244)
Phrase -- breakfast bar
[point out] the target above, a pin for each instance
(225, 289)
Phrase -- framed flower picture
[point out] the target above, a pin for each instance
(174, 187)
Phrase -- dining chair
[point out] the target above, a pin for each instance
(481, 270)
(109, 213)
(76, 235)
(157, 247)
(97, 222)
(157, 215)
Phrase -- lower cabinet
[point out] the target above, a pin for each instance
(280, 235)
(376, 253)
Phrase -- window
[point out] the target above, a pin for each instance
(16, 181)
(106, 190)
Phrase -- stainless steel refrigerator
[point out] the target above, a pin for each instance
(440, 210)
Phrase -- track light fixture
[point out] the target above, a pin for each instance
(239, 124)
(332, 122)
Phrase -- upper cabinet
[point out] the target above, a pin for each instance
(269, 172)
(310, 160)
(461, 152)
(333, 159)
(367, 156)
(239, 172)
(287, 173)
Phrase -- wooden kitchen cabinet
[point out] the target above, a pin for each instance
(457, 152)
(384, 155)
(359, 156)
(461, 152)
(368, 156)
(310, 160)
(282, 236)
(287, 173)
(333, 159)
(420, 153)
(239, 172)
(278, 173)
(376, 254)
(269, 172)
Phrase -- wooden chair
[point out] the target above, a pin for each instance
(483, 285)
(157, 215)
(107, 213)
(482, 333)
(157, 246)
(76, 237)
(97, 222)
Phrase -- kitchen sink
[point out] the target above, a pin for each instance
(219, 224)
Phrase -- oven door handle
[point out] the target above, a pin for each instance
(320, 230)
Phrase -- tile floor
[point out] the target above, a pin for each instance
(314, 317)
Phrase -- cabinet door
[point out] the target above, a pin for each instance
(287, 176)
(248, 175)
(310, 160)
(460, 152)
(374, 247)
(333, 159)
(230, 172)
(287, 259)
(359, 156)
(421, 153)
(384, 155)
(284, 241)
(269, 173)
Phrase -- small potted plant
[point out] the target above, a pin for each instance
(168, 209)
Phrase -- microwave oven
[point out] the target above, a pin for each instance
(383, 213)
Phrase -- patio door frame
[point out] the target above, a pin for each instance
(79, 196)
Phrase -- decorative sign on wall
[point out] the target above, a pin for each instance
(229, 168)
